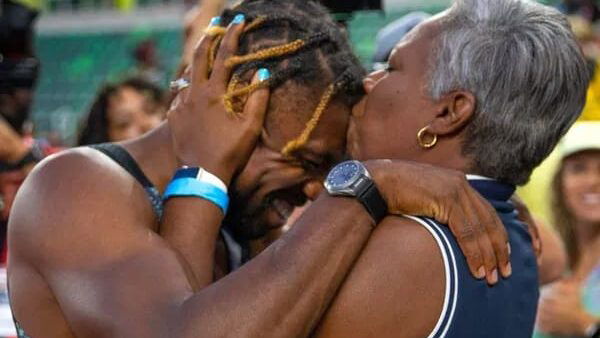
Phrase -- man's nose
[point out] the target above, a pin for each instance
(312, 189)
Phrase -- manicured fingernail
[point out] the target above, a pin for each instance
(216, 21)
(238, 19)
(263, 74)
(509, 248)
(494, 277)
(480, 273)
(508, 270)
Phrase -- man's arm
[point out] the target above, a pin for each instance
(389, 292)
(114, 276)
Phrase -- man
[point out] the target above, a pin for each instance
(90, 257)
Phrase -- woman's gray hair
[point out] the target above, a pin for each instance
(526, 70)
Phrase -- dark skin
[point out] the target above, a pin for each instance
(401, 260)
(88, 258)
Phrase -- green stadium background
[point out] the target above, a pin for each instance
(76, 63)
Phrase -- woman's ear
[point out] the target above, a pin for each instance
(456, 110)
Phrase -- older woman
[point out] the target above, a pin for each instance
(486, 88)
(571, 307)
(95, 252)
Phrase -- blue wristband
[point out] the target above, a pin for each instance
(191, 187)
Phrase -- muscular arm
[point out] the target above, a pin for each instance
(113, 276)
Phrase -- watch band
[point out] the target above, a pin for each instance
(372, 200)
(190, 187)
(197, 182)
(31, 157)
(201, 175)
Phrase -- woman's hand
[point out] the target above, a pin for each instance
(561, 311)
(446, 196)
(204, 133)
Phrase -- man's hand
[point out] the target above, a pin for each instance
(204, 133)
(446, 196)
(12, 148)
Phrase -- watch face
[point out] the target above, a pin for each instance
(343, 175)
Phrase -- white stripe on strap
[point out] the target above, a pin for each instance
(451, 276)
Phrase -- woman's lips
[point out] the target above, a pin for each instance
(591, 199)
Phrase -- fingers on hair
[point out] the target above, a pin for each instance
(296, 54)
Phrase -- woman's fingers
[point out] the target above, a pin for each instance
(229, 45)
(493, 239)
(464, 226)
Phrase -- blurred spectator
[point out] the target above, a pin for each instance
(18, 76)
(590, 44)
(18, 65)
(390, 35)
(585, 8)
(147, 64)
(195, 22)
(122, 111)
(571, 307)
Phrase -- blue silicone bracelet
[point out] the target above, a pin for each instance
(190, 187)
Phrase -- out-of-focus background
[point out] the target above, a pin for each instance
(84, 43)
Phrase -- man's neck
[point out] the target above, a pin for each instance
(155, 155)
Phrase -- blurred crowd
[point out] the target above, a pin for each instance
(139, 102)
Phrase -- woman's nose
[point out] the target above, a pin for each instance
(370, 81)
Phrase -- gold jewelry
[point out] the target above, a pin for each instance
(422, 143)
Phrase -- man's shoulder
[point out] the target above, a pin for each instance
(75, 163)
(397, 286)
(72, 193)
(70, 178)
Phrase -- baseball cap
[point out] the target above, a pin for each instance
(582, 136)
(390, 35)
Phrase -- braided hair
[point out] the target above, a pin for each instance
(297, 41)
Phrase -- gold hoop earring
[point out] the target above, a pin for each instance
(426, 145)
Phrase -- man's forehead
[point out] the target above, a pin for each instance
(328, 135)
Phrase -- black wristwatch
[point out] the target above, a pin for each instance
(351, 179)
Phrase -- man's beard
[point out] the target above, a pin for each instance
(246, 225)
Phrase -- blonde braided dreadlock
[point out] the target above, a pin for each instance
(270, 57)
(301, 140)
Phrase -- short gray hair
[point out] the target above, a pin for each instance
(526, 70)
